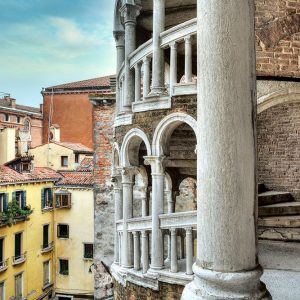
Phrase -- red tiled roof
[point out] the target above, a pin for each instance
(6, 104)
(8, 175)
(86, 165)
(76, 147)
(75, 178)
(89, 83)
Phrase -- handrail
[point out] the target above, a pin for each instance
(178, 220)
(178, 32)
(142, 51)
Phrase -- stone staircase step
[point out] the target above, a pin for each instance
(279, 209)
(262, 188)
(273, 197)
(280, 221)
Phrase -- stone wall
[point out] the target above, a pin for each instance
(103, 116)
(135, 292)
(278, 37)
(278, 133)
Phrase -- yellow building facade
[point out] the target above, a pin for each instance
(27, 252)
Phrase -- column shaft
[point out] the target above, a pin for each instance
(226, 265)
(189, 251)
(146, 76)
(173, 66)
(174, 263)
(158, 61)
(137, 80)
(118, 216)
(188, 60)
(145, 251)
(136, 252)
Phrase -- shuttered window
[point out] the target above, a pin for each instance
(19, 286)
(63, 267)
(46, 198)
(46, 271)
(3, 202)
(45, 236)
(18, 245)
(1, 253)
(20, 198)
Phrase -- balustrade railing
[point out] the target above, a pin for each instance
(140, 62)
(179, 227)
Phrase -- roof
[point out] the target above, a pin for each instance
(8, 175)
(86, 165)
(25, 108)
(76, 147)
(75, 178)
(89, 83)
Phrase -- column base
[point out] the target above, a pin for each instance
(211, 285)
(157, 91)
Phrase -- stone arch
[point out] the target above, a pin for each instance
(290, 95)
(165, 129)
(130, 146)
(115, 157)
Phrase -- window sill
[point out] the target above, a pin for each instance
(88, 259)
(19, 261)
(64, 275)
(47, 249)
(3, 268)
(47, 209)
(63, 238)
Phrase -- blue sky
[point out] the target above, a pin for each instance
(48, 42)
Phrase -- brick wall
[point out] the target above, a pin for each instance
(103, 116)
(278, 37)
(278, 131)
(135, 292)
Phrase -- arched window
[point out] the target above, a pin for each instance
(27, 125)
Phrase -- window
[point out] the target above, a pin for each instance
(63, 267)
(26, 125)
(2, 259)
(45, 236)
(47, 198)
(20, 198)
(19, 286)
(18, 245)
(26, 167)
(3, 202)
(6, 117)
(88, 250)
(2, 290)
(63, 199)
(63, 231)
(18, 119)
(76, 158)
(46, 273)
(64, 161)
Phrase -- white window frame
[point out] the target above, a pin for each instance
(49, 272)
(22, 283)
(4, 288)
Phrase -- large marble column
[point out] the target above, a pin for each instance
(120, 47)
(127, 242)
(158, 61)
(117, 189)
(129, 13)
(158, 178)
(227, 265)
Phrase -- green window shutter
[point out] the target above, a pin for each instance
(43, 198)
(14, 196)
(23, 199)
(5, 202)
(51, 196)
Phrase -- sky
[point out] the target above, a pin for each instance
(49, 42)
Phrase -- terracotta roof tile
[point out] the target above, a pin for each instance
(86, 165)
(76, 147)
(8, 175)
(89, 83)
(75, 178)
(6, 104)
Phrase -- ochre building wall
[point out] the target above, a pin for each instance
(73, 113)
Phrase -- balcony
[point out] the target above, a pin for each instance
(177, 44)
(17, 260)
(3, 265)
(179, 231)
(47, 247)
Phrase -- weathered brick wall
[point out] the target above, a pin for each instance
(103, 116)
(135, 292)
(148, 121)
(278, 37)
(278, 131)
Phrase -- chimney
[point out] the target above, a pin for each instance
(12, 102)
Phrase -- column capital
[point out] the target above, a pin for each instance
(188, 39)
(173, 45)
(119, 38)
(127, 174)
(157, 164)
(116, 180)
(189, 230)
(130, 12)
(173, 230)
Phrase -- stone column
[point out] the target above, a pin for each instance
(158, 178)
(174, 263)
(158, 61)
(173, 66)
(188, 59)
(127, 184)
(116, 180)
(137, 80)
(136, 252)
(189, 250)
(144, 203)
(146, 76)
(129, 13)
(227, 265)
(145, 251)
(120, 47)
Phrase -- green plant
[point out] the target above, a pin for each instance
(13, 211)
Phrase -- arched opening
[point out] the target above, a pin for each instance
(186, 199)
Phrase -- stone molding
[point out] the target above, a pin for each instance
(123, 119)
